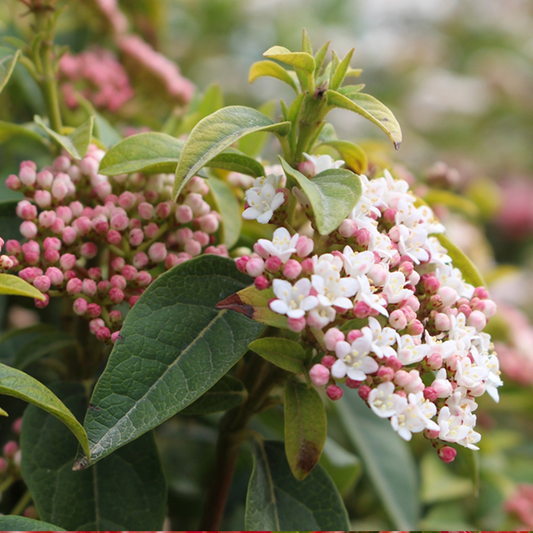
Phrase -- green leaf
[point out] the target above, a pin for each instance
(470, 272)
(21, 523)
(305, 428)
(253, 303)
(174, 339)
(343, 467)
(126, 491)
(340, 72)
(276, 501)
(29, 130)
(453, 201)
(349, 90)
(235, 161)
(145, 152)
(353, 155)
(211, 101)
(9, 221)
(386, 458)
(254, 143)
(320, 56)
(8, 60)
(42, 345)
(298, 60)
(77, 142)
(306, 42)
(370, 108)
(229, 208)
(229, 392)
(3, 413)
(215, 133)
(284, 353)
(269, 68)
(10, 284)
(333, 65)
(15, 383)
(332, 194)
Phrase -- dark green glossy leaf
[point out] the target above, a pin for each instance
(174, 346)
(226, 394)
(332, 194)
(305, 427)
(8, 60)
(269, 68)
(370, 108)
(284, 353)
(126, 491)
(387, 460)
(276, 501)
(15, 383)
(75, 143)
(229, 208)
(21, 523)
(215, 133)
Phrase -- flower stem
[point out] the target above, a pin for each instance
(22, 503)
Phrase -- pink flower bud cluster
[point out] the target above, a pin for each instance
(98, 76)
(97, 240)
(521, 505)
(390, 314)
(143, 55)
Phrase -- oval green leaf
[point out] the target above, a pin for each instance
(10, 284)
(126, 491)
(269, 68)
(8, 60)
(235, 161)
(77, 142)
(353, 155)
(215, 133)
(340, 71)
(305, 428)
(3, 413)
(332, 194)
(182, 343)
(29, 130)
(370, 108)
(298, 60)
(21, 523)
(387, 460)
(276, 501)
(284, 353)
(18, 384)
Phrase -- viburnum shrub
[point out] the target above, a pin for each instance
(338, 277)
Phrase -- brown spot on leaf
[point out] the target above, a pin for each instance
(78, 466)
(308, 456)
(234, 303)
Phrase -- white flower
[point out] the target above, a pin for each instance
(353, 359)
(444, 349)
(441, 385)
(437, 252)
(411, 242)
(394, 288)
(414, 416)
(293, 300)
(323, 162)
(357, 263)
(263, 199)
(469, 375)
(383, 401)
(333, 290)
(452, 277)
(451, 426)
(409, 352)
(365, 294)
(282, 244)
(320, 316)
(382, 339)
(325, 263)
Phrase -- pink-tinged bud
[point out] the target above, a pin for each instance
(67, 261)
(183, 214)
(31, 246)
(389, 215)
(209, 223)
(151, 230)
(434, 361)
(261, 283)
(481, 293)
(296, 324)
(489, 308)
(95, 273)
(197, 185)
(347, 228)
(89, 250)
(10, 449)
(94, 310)
(362, 237)
(447, 454)
(58, 226)
(406, 267)
(241, 262)
(430, 394)
(16, 427)
(52, 243)
(27, 176)
(115, 336)
(202, 238)
(136, 237)
(130, 273)
(13, 247)
(51, 256)
(353, 335)
(146, 210)
(397, 320)
(412, 302)
(144, 279)
(103, 334)
(328, 361)
(42, 283)
(140, 260)
(133, 300)
(114, 237)
(5, 262)
(431, 284)
(69, 274)
(119, 222)
(352, 383)
(259, 250)
(103, 287)
(448, 296)
(408, 313)
(415, 327)
(465, 309)
(116, 295)
(74, 286)
(193, 248)
(334, 392)
(89, 165)
(394, 363)
(273, 264)
(80, 306)
(23, 204)
(13, 183)
(402, 378)
(307, 267)
(31, 258)
(29, 164)
(307, 168)
(45, 179)
(61, 164)
(332, 337)
(364, 392)
(100, 225)
(386, 373)
(292, 269)
(28, 212)
(196, 203)
(43, 199)
(361, 310)
(127, 200)
(442, 322)
(41, 304)
(255, 267)
(304, 246)
(118, 281)
(157, 252)
(28, 274)
(82, 225)
(103, 190)
(171, 261)
(89, 287)
(319, 375)
(477, 320)
(118, 263)
(28, 229)
(59, 189)
(96, 324)
(76, 208)
(55, 275)
(115, 316)
(47, 218)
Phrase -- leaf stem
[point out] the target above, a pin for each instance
(22, 503)
(7, 483)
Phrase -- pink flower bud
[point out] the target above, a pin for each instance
(193, 248)
(397, 320)
(334, 392)
(353, 335)
(447, 454)
(352, 383)
(292, 269)
(27, 176)
(55, 275)
(196, 203)
(261, 283)
(43, 199)
(93, 310)
(130, 273)
(42, 283)
(6, 262)
(96, 324)
(140, 260)
(183, 235)
(103, 334)
(157, 252)
(307, 168)
(28, 212)
(17, 426)
(296, 324)
(163, 209)
(481, 293)
(448, 296)
(127, 200)
(347, 228)
(489, 308)
(103, 190)
(28, 229)
(430, 394)
(31, 246)
(76, 208)
(136, 237)
(307, 267)
(89, 250)
(116, 295)
(240, 263)
(10, 449)
(28, 274)
(386, 373)
(255, 267)
(273, 264)
(415, 327)
(80, 306)
(171, 261)
(119, 222)
(74, 286)
(103, 287)
(144, 279)
(118, 263)
(209, 223)
(362, 237)
(114, 237)
(133, 300)
(61, 164)
(115, 316)
(402, 378)
(477, 320)
(51, 256)
(119, 282)
(151, 230)
(83, 225)
(304, 246)
(89, 165)
(201, 237)
(434, 361)
(364, 391)
(89, 287)
(442, 322)
(319, 375)
(31, 258)
(52, 243)
(332, 337)
(183, 214)
(69, 274)
(59, 189)
(146, 210)
(45, 179)
(13, 247)
(67, 261)
(389, 216)
(13, 183)
(361, 310)
(40, 304)
(259, 250)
